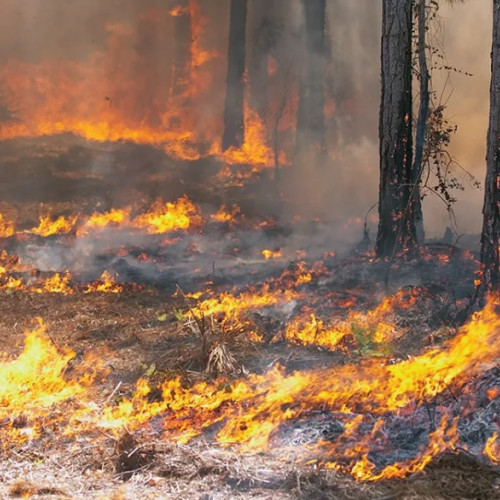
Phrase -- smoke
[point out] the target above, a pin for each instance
(128, 45)
(466, 40)
(60, 29)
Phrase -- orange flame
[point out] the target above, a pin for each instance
(226, 214)
(97, 221)
(106, 284)
(57, 284)
(492, 449)
(49, 227)
(34, 382)
(168, 217)
(87, 99)
(373, 387)
(250, 410)
(272, 254)
(6, 228)
(254, 150)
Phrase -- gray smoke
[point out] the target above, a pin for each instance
(346, 185)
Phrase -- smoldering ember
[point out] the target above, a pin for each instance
(249, 249)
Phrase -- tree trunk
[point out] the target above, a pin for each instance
(182, 47)
(311, 120)
(266, 24)
(423, 114)
(396, 230)
(234, 127)
(490, 236)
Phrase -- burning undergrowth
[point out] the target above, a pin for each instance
(182, 309)
(369, 416)
(325, 365)
(184, 322)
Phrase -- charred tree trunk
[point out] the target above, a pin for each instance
(396, 230)
(490, 236)
(234, 124)
(311, 120)
(182, 47)
(423, 113)
(266, 30)
(257, 66)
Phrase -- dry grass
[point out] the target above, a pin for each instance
(218, 340)
(203, 470)
(139, 466)
(178, 472)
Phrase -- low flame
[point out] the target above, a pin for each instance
(161, 217)
(168, 217)
(272, 254)
(105, 284)
(49, 227)
(249, 411)
(34, 382)
(492, 449)
(254, 150)
(57, 284)
(113, 218)
(6, 228)
(226, 214)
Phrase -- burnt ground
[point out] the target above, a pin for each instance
(138, 329)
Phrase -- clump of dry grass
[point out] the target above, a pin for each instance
(220, 360)
(219, 340)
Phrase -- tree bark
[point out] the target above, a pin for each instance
(266, 25)
(234, 126)
(182, 48)
(490, 236)
(396, 230)
(311, 120)
(423, 113)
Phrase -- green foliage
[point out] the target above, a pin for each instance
(179, 314)
(150, 370)
(365, 340)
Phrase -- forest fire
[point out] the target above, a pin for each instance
(251, 410)
(187, 263)
(367, 399)
(102, 114)
(158, 219)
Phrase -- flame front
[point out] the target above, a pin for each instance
(98, 98)
(250, 411)
(34, 384)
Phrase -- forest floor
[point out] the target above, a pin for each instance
(141, 334)
(125, 327)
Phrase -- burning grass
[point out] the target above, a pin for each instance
(274, 373)
(84, 399)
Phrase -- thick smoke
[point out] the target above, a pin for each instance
(134, 40)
